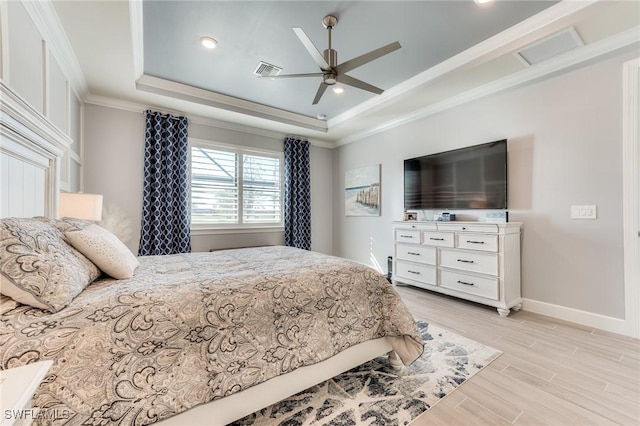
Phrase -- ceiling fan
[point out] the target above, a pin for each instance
(333, 73)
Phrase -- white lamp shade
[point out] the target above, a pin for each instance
(81, 206)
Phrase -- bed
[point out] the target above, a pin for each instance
(168, 341)
(193, 329)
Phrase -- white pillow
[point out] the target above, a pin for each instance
(105, 250)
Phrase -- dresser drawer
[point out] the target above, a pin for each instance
(440, 239)
(413, 253)
(478, 242)
(484, 263)
(468, 227)
(414, 271)
(470, 284)
(408, 236)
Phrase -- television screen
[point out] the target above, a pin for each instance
(468, 178)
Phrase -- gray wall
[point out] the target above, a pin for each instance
(113, 166)
(565, 148)
(113, 163)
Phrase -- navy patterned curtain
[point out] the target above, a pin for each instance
(165, 206)
(297, 193)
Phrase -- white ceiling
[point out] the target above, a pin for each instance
(147, 53)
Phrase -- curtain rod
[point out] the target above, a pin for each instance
(173, 116)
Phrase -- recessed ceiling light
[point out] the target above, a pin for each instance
(338, 89)
(482, 1)
(322, 116)
(208, 42)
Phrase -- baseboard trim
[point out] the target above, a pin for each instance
(590, 319)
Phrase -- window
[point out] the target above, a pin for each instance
(233, 187)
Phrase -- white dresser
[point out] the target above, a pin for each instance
(476, 261)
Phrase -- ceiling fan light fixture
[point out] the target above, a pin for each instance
(208, 42)
(330, 78)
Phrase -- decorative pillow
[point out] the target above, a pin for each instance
(38, 268)
(105, 250)
(66, 223)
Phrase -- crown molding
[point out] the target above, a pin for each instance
(205, 97)
(137, 36)
(46, 20)
(198, 119)
(543, 23)
(626, 40)
(502, 43)
(176, 90)
(114, 103)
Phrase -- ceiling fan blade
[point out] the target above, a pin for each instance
(345, 79)
(319, 93)
(367, 57)
(314, 74)
(313, 51)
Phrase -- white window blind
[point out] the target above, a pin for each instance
(226, 191)
(261, 198)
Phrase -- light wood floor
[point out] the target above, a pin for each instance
(551, 372)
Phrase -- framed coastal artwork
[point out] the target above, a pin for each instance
(362, 191)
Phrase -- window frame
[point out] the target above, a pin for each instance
(240, 227)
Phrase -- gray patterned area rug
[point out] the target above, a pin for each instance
(374, 394)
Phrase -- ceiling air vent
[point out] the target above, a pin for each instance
(266, 70)
(549, 47)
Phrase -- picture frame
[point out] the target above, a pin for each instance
(362, 191)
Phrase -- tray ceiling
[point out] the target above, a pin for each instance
(140, 54)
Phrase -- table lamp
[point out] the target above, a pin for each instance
(81, 206)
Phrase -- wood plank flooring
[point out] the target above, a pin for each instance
(551, 372)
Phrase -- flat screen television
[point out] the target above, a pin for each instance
(474, 177)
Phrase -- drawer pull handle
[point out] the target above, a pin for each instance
(475, 242)
(413, 272)
(413, 254)
(466, 261)
(436, 239)
(406, 236)
(464, 282)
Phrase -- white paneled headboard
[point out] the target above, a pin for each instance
(31, 151)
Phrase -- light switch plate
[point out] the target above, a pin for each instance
(584, 212)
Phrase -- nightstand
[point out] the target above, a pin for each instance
(17, 388)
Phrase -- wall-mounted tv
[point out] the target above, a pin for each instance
(474, 177)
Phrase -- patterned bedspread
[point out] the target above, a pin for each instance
(187, 329)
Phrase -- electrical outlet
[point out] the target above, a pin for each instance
(584, 212)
